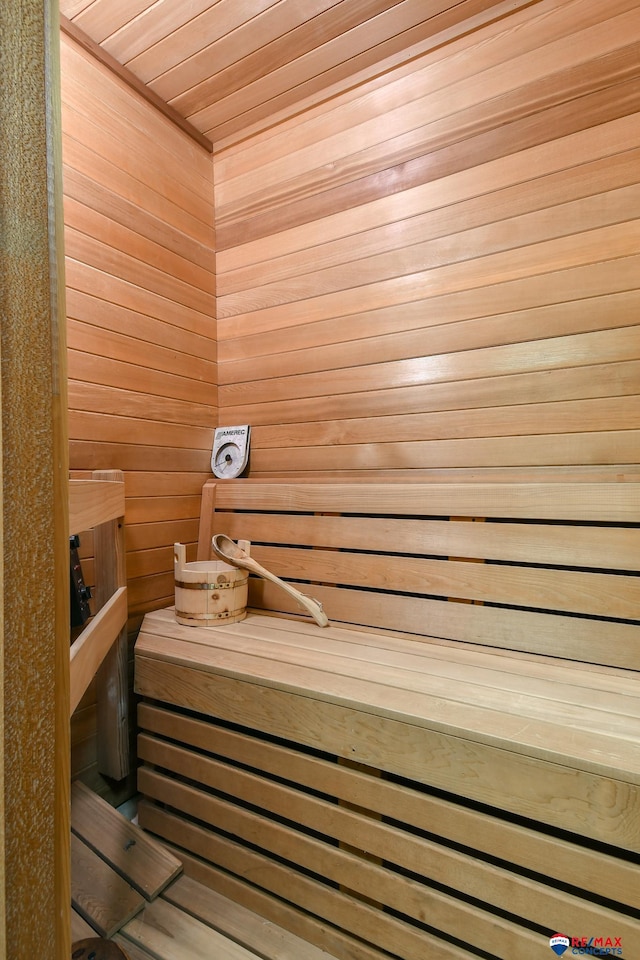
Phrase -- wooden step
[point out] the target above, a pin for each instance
(191, 921)
(99, 894)
(137, 895)
(132, 853)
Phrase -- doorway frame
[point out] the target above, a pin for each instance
(34, 588)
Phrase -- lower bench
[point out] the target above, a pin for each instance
(383, 794)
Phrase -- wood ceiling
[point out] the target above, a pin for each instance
(227, 66)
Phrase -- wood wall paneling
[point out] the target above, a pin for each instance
(439, 272)
(139, 239)
(141, 305)
(454, 95)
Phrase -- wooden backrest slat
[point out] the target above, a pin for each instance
(598, 502)
(547, 589)
(552, 569)
(554, 589)
(605, 547)
(495, 628)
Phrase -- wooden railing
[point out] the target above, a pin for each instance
(101, 648)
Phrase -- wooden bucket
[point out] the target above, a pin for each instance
(208, 592)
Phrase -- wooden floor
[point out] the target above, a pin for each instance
(129, 888)
(190, 922)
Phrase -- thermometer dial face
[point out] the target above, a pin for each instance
(228, 461)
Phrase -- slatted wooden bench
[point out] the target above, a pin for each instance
(452, 767)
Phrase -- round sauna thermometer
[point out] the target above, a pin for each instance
(230, 451)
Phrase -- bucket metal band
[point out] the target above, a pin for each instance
(211, 586)
(209, 616)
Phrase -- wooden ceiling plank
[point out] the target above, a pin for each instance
(319, 62)
(72, 8)
(430, 72)
(195, 43)
(294, 40)
(398, 53)
(127, 28)
(100, 18)
(85, 41)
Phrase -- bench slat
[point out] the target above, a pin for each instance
(552, 856)
(480, 879)
(512, 629)
(588, 546)
(591, 594)
(528, 898)
(309, 906)
(601, 807)
(611, 502)
(403, 894)
(522, 667)
(608, 752)
(406, 665)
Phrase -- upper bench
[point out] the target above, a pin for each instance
(506, 642)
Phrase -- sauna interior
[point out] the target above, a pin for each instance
(400, 240)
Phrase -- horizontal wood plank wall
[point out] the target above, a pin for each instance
(438, 271)
(141, 326)
(141, 312)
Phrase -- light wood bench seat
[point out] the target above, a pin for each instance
(453, 763)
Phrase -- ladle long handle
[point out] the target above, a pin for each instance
(248, 563)
(311, 606)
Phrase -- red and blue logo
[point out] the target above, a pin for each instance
(586, 946)
(559, 943)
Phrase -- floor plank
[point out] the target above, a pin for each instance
(170, 934)
(80, 929)
(239, 924)
(133, 950)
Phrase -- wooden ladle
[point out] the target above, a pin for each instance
(227, 550)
